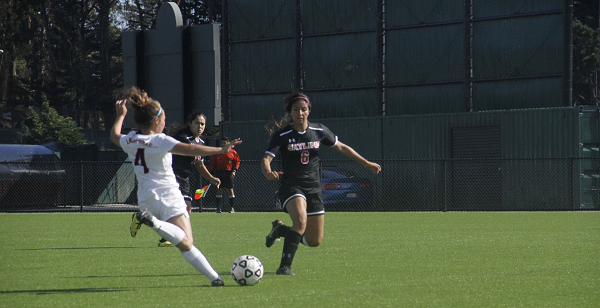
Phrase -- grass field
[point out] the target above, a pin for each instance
(434, 259)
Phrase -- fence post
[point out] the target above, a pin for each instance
(573, 186)
(445, 185)
(81, 187)
(117, 185)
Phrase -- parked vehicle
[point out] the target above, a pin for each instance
(342, 193)
(31, 177)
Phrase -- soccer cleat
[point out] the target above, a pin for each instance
(271, 237)
(218, 211)
(284, 270)
(145, 217)
(217, 282)
(164, 243)
(135, 225)
(232, 211)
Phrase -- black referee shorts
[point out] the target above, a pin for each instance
(226, 179)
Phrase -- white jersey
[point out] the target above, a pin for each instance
(151, 162)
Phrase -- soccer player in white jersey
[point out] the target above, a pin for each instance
(300, 193)
(160, 201)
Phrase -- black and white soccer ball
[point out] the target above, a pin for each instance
(247, 270)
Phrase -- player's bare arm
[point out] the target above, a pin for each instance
(205, 174)
(266, 169)
(350, 153)
(203, 150)
(115, 133)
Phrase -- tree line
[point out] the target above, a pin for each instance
(68, 53)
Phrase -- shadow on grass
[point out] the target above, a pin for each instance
(78, 290)
(135, 276)
(76, 248)
(103, 290)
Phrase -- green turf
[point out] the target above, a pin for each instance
(520, 259)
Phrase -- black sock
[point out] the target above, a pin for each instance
(282, 231)
(231, 199)
(218, 202)
(290, 245)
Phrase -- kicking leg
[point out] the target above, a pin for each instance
(313, 234)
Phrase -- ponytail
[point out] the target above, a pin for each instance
(145, 109)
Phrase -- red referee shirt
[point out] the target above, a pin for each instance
(225, 162)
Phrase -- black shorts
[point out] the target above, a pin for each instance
(184, 187)
(314, 201)
(226, 179)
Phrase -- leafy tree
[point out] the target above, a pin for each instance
(585, 51)
(48, 126)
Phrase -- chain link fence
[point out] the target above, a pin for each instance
(556, 184)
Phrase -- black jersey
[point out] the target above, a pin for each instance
(182, 164)
(300, 154)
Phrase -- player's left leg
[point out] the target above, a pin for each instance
(219, 197)
(231, 199)
(313, 234)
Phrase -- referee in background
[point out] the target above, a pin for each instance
(224, 167)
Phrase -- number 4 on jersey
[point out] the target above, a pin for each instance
(140, 160)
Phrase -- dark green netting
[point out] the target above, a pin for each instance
(518, 94)
(484, 9)
(425, 54)
(518, 47)
(331, 16)
(406, 13)
(251, 19)
(343, 104)
(339, 61)
(262, 66)
(258, 107)
(446, 98)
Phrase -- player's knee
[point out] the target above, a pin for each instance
(186, 244)
(314, 244)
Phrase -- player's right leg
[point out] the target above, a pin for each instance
(192, 254)
(296, 207)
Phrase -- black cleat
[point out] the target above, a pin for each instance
(217, 283)
(284, 270)
(145, 217)
(271, 238)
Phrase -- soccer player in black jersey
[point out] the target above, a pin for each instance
(182, 165)
(298, 141)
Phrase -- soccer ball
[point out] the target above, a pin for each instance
(247, 270)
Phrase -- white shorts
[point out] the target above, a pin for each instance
(166, 204)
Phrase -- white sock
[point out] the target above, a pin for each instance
(168, 231)
(199, 262)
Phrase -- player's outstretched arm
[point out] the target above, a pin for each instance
(349, 152)
(203, 150)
